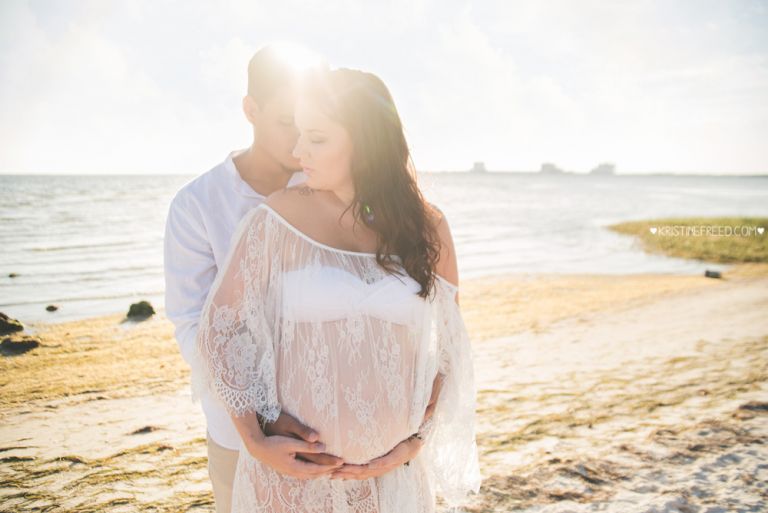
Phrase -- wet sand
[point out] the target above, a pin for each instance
(595, 393)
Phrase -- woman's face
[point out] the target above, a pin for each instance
(324, 148)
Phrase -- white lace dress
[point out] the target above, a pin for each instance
(328, 336)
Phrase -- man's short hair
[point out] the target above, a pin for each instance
(270, 70)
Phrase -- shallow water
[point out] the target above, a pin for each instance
(93, 244)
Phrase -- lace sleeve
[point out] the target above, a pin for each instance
(234, 357)
(450, 447)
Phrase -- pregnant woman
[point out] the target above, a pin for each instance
(338, 304)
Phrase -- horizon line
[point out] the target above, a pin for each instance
(447, 171)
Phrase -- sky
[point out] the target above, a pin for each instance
(155, 86)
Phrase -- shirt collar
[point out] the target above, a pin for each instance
(242, 187)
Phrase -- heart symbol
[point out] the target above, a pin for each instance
(653, 230)
(760, 230)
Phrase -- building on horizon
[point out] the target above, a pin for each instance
(549, 168)
(479, 167)
(605, 168)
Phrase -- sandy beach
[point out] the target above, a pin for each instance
(636, 393)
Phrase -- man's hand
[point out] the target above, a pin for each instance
(402, 452)
(287, 425)
(279, 452)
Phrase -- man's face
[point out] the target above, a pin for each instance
(276, 131)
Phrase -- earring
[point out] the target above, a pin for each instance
(368, 213)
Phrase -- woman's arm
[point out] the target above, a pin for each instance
(234, 358)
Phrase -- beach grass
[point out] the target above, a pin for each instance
(663, 415)
(94, 357)
(724, 240)
(151, 477)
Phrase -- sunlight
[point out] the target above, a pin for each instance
(296, 56)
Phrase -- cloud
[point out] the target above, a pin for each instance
(156, 86)
(74, 97)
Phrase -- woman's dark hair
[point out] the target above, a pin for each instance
(382, 170)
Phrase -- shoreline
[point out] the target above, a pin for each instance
(591, 389)
(41, 319)
(492, 307)
(735, 270)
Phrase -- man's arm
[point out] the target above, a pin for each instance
(190, 269)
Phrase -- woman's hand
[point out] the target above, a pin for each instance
(401, 453)
(279, 452)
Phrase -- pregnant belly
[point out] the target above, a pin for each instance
(356, 421)
(357, 395)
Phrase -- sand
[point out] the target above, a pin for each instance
(595, 393)
(636, 409)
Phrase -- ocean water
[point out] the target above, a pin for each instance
(94, 244)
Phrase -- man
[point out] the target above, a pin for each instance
(202, 219)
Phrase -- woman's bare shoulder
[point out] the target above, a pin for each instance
(440, 223)
(447, 266)
(292, 203)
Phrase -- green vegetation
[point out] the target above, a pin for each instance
(725, 240)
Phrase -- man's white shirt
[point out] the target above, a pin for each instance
(202, 219)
